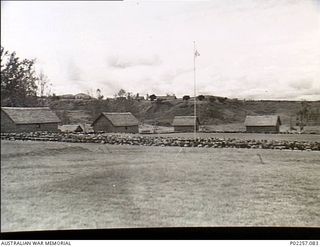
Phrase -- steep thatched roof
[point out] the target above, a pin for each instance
(265, 120)
(184, 121)
(31, 115)
(70, 128)
(120, 118)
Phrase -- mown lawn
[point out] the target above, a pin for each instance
(71, 186)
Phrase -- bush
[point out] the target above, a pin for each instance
(201, 97)
(212, 99)
(186, 97)
(222, 100)
(152, 97)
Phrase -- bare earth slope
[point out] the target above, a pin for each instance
(222, 111)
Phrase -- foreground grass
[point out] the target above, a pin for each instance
(69, 186)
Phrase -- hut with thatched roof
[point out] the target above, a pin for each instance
(28, 119)
(263, 124)
(116, 122)
(87, 128)
(185, 123)
(82, 96)
(70, 128)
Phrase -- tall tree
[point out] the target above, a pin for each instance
(128, 95)
(303, 114)
(99, 94)
(121, 93)
(18, 80)
(43, 83)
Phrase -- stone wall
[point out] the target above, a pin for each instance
(140, 140)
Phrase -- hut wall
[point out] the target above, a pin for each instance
(262, 129)
(103, 124)
(7, 125)
(50, 127)
(185, 128)
(127, 129)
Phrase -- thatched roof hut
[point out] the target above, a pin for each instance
(264, 123)
(87, 128)
(69, 128)
(82, 96)
(116, 122)
(185, 123)
(28, 119)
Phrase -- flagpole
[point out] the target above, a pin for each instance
(195, 93)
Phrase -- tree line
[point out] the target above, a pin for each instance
(21, 86)
(19, 81)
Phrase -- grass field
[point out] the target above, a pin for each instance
(72, 186)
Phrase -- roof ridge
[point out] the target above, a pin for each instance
(116, 112)
(15, 108)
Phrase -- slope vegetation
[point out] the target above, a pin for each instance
(214, 110)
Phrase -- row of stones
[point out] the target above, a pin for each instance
(117, 139)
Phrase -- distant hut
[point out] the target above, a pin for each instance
(185, 123)
(28, 119)
(82, 96)
(263, 124)
(70, 128)
(87, 128)
(116, 122)
(67, 96)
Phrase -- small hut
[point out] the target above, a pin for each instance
(185, 123)
(263, 124)
(67, 96)
(28, 119)
(87, 128)
(82, 96)
(116, 122)
(70, 128)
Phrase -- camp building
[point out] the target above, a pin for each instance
(82, 96)
(28, 119)
(70, 128)
(185, 123)
(116, 122)
(263, 124)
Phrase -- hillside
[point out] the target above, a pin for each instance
(213, 110)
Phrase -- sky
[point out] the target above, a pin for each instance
(249, 49)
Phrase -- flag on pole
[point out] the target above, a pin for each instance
(196, 54)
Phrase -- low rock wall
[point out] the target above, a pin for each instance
(118, 139)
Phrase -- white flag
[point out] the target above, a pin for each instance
(196, 54)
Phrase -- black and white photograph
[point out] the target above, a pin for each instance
(160, 114)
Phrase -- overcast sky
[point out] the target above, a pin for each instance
(248, 49)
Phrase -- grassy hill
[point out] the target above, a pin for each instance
(211, 111)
